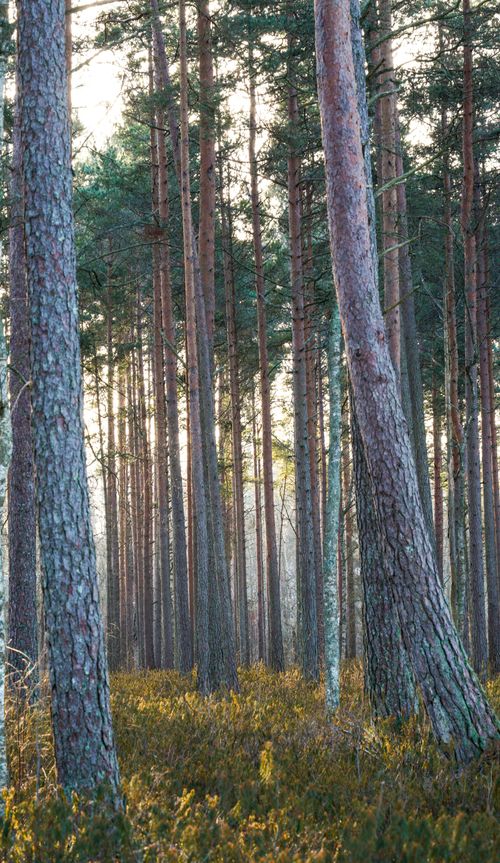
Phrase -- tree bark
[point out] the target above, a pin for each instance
(22, 638)
(388, 679)
(460, 715)
(81, 718)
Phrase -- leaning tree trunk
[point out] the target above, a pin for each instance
(460, 715)
(388, 679)
(81, 717)
(22, 639)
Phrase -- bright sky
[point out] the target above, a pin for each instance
(98, 80)
(97, 85)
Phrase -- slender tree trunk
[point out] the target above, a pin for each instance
(276, 657)
(81, 718)
(311, 355)
(133, 587)
(207, 165)
(322, 447)
(184, 644)
(237, 449)
(113, 563)
(308, 617)
(494, 450)
(146, 491)
(455, 429)
(387, 89)
(261, 620)
(330, 564)
(458, 710)
(123, 489)
(163, 630)
(22, 638)
(487, 408)
(349, 551)
(438, 466)
(199, 492)
(410, 345)
(476, 571)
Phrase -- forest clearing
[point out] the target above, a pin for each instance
(249, 352)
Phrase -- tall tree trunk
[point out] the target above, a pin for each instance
(133, 588)
(207, 165)
(388, 678)
(145, 489)
(308, 616)
(458, 710)
(81, 717)
(438, 465)
(123, 515)
(348, 500)
(199, 491)
(476, 571)
(184, 642)
(494, 449)
(237, 449)
(410, 345)
(22, 638)
(455, 430)
(312, 356)
(487, 408)
(387, 94)
(163, 631)
(112, 549)
(330, 563)
(276, 656)
(259, 564)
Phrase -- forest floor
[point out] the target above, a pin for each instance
(261, 776)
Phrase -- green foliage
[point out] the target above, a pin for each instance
(262, 776)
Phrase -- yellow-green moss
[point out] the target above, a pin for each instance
(262, 776)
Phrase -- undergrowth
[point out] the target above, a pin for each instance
(262, 776)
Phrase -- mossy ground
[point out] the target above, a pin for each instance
(262, 776)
